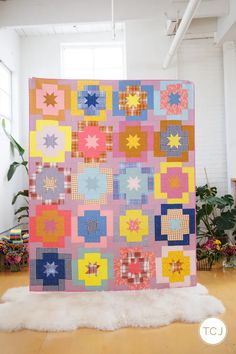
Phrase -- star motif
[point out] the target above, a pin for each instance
(134, 225)
(50, 99)
(133, 183)
(176, 266)
(49, 225)
(174, 224)
(91, 99)
(174, 98)
(174, 141)
(133, 141)
(174, 182)
(91, 142)
(50, 141)
(92, 226)
(133, 100)
(50, 269)
(50, 183)
(92, 183)
(135, 267)
(92, 268)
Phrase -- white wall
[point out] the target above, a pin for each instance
(9, 54)
(41, 57)
(146, 45)
(199, 61)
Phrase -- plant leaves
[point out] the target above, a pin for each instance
(224, 223)
(22, 217)
(24, 208)
(13, 142)
(12, 170)
(24, 193)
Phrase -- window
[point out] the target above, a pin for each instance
(93, 61)
(5, 92)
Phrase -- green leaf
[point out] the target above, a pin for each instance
(12, 170)
(24, 193)
(13, 142)
(233, 211)
(22, 217)
(207, 208)
(228, 199)
(24, 208)
(224, 223)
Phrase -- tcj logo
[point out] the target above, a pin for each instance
(212, 330)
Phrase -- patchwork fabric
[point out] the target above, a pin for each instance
(176, 266)
(50, 141)
(133, 141)
(133, 183)
(50, 226)
(175, 224)
(50, 183)
(92, 227)
(91, 142)
(50, 269)
(134, 268)
(174, 100)
(174, 141)
(92, 269)
(92, 184)
(111, 185)
(133, 100)
(91, 100)
(49, 99)
(174, 183)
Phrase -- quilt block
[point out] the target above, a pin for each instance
(112, 187)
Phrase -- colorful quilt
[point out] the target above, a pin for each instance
(112, 188)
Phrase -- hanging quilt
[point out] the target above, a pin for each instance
(112, 188)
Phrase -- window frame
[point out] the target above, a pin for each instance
(93, 45)
(9, 71)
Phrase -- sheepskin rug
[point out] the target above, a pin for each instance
(105, 310)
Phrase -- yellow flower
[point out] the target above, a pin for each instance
(217, 242)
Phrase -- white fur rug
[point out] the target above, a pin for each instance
(105, 310)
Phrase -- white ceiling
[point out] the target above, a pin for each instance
(26, 31)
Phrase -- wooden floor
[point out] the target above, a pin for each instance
(177, 338)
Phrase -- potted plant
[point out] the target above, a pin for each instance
(215, 217)
(23, 211)
(229, 252)
(208, 253)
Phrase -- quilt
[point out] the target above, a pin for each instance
(112, 187)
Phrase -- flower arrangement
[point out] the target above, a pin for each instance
(211, 250)
(13, 256)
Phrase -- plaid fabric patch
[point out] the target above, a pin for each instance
(176, 266)
(133, 101)
(37, 189)
(76, 193)
(135, 268)
(92, 100)
(119, 190)
(92, 268)
(77, 137)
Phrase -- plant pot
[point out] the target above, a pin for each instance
(229, 262)
(2, 263)
(204, 264)
(15, 267)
